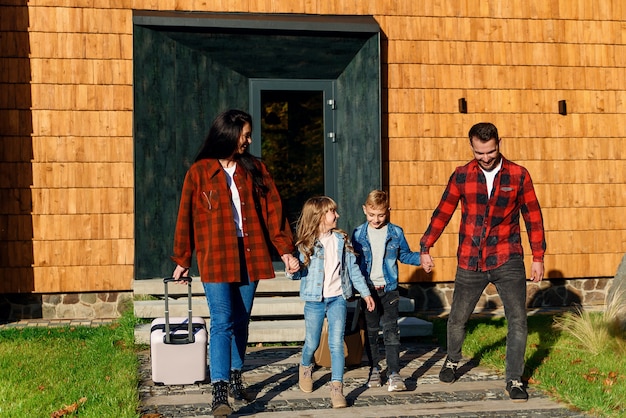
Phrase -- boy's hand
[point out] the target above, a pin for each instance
(369, 301)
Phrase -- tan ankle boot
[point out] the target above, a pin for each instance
(305, 378)
(336, 395)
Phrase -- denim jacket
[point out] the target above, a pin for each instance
(312, 276)
(396, 248)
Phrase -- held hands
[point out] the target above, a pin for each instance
(292, 264)
(369, 301)
(427, 262)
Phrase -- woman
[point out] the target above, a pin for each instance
(230, 212)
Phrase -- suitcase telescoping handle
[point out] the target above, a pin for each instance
(190, 334)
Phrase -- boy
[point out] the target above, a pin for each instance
(379, 245)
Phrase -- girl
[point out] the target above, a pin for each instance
(328, 272)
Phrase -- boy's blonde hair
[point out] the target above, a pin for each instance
(378, 199)
(307, 228)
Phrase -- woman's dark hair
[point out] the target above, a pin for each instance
(222, 140)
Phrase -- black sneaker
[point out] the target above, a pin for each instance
(448, 371)
(516, 391)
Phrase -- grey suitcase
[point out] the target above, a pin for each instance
(178, 346)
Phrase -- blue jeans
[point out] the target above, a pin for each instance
(510, 282)
(334, 309)
(230, 305)
(385, 314)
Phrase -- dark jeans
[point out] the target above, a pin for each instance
(510, 282)
(385, 314)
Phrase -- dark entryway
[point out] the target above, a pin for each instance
(188, 67)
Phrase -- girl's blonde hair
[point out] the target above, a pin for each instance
(308, 226)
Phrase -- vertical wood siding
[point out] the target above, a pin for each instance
(72, 116)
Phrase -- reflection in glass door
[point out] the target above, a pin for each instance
(293, 134)
(292, 144)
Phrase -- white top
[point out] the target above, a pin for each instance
(332, 266)
(235, 198)
(490, 176)
(377, 239)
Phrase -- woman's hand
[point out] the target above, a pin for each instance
(369, 302)
(180, 273)
(292, 264)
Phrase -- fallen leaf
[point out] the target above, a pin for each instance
(577, 361)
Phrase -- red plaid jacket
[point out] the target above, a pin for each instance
(489, 233)
(205, 224)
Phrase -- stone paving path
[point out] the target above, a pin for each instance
(272, 376)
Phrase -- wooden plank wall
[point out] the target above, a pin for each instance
(512, 63)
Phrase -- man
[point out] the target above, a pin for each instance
(493, 192)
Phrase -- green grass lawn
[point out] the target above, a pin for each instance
(556, 363)
(77, 371)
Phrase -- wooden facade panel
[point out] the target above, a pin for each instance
(581, 195)
(84, 252)
(77, 201)
(86, 174)
(97, 226)
(585, 242)
(81, 45)
(505, 101)
(81, 97)
(403, 75)
(83, 149)
(53, 71)
(82, 123)
(584, 219)
(577, 171)
(511, 124)
(52, 279)
(582, 149)
(81, 19)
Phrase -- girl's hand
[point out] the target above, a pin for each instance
(369, 301)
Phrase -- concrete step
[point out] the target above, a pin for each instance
(280, 284)
(292, 330)
(263, 306)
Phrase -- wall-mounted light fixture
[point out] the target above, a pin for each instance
(562, 107)
(462, 105)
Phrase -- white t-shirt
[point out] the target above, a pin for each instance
(236, 199)
(490, 176)
(332, 266)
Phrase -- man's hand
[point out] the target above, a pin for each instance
(536, 271)
(427, 262)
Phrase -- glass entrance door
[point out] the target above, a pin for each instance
(293, 134)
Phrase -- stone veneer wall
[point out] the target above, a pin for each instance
(97, 305)
(549, 293)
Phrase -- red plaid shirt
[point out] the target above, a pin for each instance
(489, 233)
(206, 224)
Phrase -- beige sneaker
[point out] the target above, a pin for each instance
(336, 395)
(305, 378)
